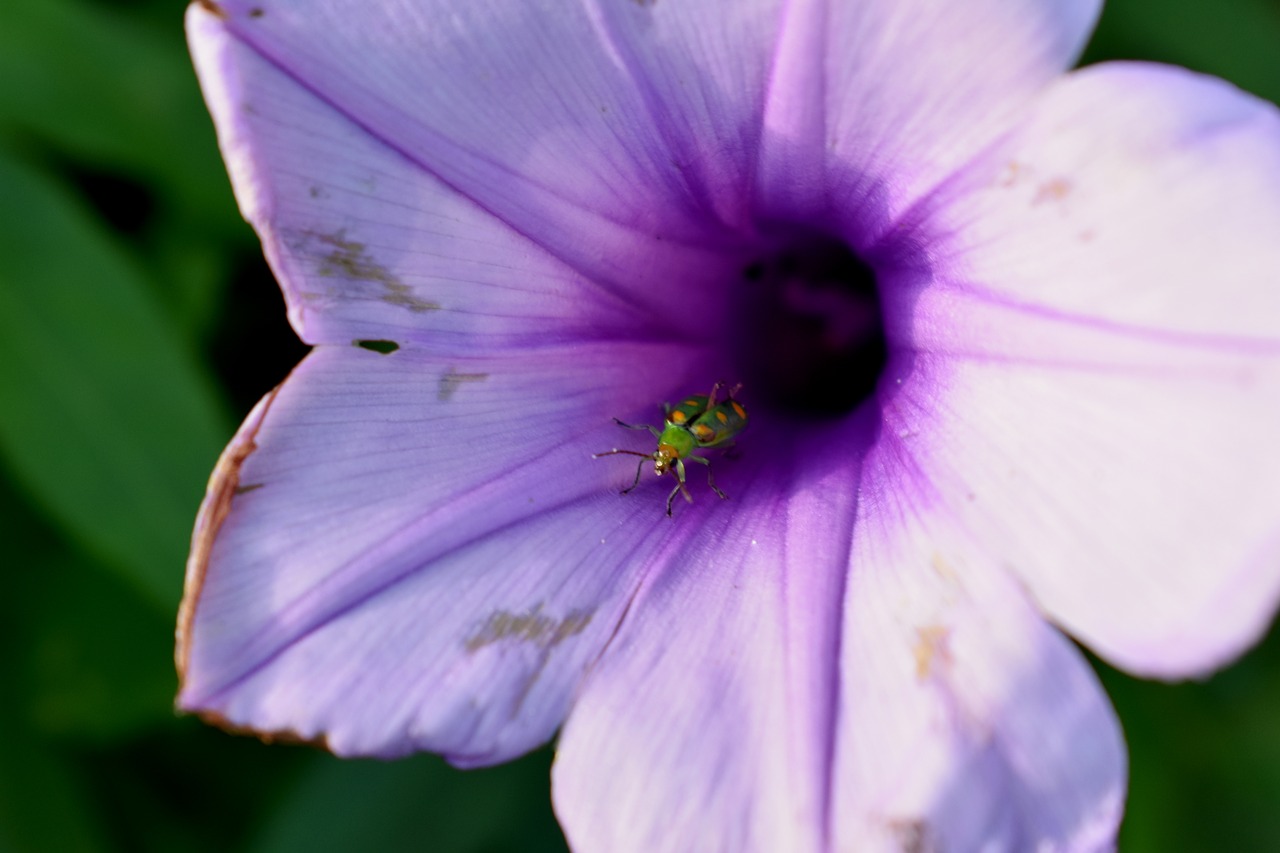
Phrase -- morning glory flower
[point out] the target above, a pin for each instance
(1009, 339)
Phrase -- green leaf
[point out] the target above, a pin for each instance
(112, 91)
(87, 657)
(195, 267)
(104, 416)
(98, 658)
(1204, 758)
(1233, 39)
(44, 803)
(416, 804)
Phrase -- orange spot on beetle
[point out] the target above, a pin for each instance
(722, 417)
(742, 413)
(678, 417)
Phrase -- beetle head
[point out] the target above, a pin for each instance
(663, 458)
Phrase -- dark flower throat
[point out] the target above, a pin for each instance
(811, 338)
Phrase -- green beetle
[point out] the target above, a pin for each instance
(696, 421)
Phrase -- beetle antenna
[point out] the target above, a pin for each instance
(620, 452)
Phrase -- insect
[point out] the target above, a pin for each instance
(696, 421)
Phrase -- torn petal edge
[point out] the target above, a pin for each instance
(224, 485)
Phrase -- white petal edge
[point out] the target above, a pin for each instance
(1102, 342)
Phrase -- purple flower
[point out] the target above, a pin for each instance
(1010, 340)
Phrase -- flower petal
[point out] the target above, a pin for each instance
(921, 704)
(416, 101)
(707, 724)
(400, 553)
(369, 245)
(872, 104)
(1103, 342)
(966, 722)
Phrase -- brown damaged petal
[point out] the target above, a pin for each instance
(285, 736)
(224, 485)
(212, 8)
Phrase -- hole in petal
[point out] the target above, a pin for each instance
(384, 347)
(810, 338)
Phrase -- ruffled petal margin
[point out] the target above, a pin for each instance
(708, 723)
(401, 553)
(367, 243)
(443, 145)
(1102, 341)
(902, 695)
(966, 722)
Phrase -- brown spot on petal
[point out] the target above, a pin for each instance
(451, 381)
(913, 835)
(1010, 174)
(932, 649)
(224, 485)
(248, 487)
(349, 259)
(256, 13)
(530, 627)
(1054, 190)
(402, 295)
(943, 568)
(212, 8)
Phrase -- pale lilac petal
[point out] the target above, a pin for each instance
(429, 536)
(1102, 346)
(369, 245)
(872, 104)
(701, 70)
(707, 724)
(966, 723)
(485, 100)
(653, 120)
(924, 703)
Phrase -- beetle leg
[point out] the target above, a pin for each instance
(734, 390)
(653, 429)
(639, 468)
(711, 398)
(680, 476)
(644, 457)
(672, 497)
(712, 483)
(710, 480)
(680, 486)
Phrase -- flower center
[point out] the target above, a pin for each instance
(811, 338)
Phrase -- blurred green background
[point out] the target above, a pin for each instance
(138, 324)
